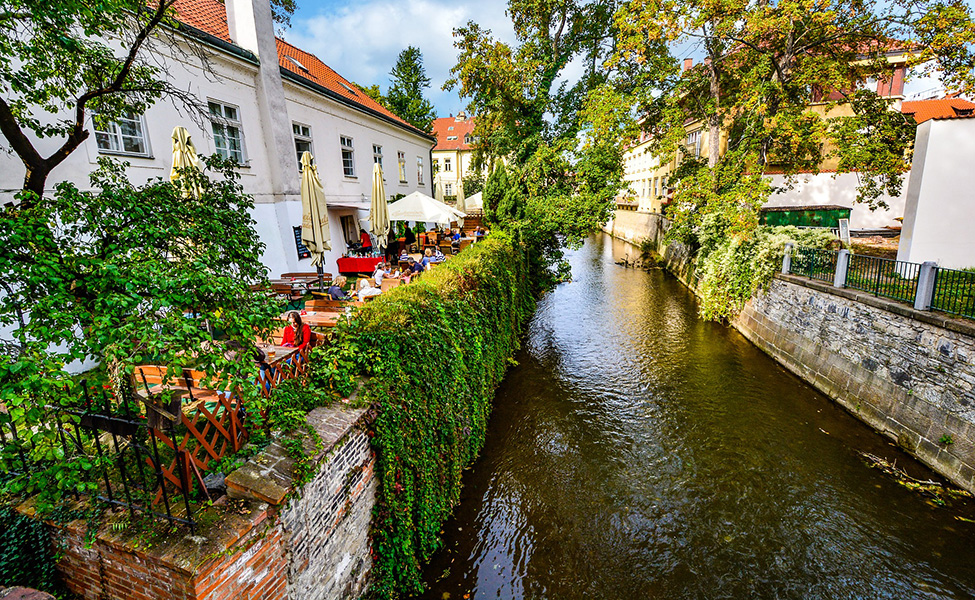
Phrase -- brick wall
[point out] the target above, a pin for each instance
(279, 543)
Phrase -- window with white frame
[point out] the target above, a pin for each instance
(377, 155)
(447, 165)
(448, 189)
(451, 138)
(401, 162)
(228, 136)
(419, 170)
(124, 136)
(302, 135)
(348, 156)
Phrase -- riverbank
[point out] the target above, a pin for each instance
(908, 374)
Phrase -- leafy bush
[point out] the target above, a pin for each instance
(26, 557)
(736, 269)
(433, 351)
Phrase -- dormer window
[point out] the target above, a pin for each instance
(351, 91)
(297, 63)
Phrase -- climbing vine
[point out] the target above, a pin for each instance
(433, 353)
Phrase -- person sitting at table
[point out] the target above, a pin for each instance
(438, 256)
(296, 334)
(415, 267)
(335, 292)
(455, 239)
(366, 290)
(480, 233)
(404, 256)
(366, 241)
(379, 273)
(426, 259)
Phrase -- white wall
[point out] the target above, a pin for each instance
(839, 189)
(940, 211)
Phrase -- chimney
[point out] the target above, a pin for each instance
(251, 26)
(461, 116)
(688, 63)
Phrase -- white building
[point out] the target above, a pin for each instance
(269, 101)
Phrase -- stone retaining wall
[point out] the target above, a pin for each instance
(275, 543)
(909, 374)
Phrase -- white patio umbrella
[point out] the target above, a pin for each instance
(474, 202)
(460, 205)
(420, 207)
(438, 188)
(184, 157)
(379, 210)
(314, 212)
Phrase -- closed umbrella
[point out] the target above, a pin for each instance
(379, 211)
(184, 157)
(314, 213)
(460, 205)
(438, 189)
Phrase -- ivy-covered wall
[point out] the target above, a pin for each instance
(434, 352)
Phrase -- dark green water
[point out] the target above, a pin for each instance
(639, 452)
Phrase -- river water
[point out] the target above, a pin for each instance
(637, 451)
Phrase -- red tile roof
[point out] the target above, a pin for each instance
(451, 127)
(942, 108)
(210, 16)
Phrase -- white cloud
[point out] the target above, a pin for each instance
(362, 40)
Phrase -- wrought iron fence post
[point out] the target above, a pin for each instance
(925, 285)
(842, 264)
(787, 259)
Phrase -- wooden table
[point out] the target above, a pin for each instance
(281, 353)
(319, 318)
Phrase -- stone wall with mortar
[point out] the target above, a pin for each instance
(635, 227)
(907, 373)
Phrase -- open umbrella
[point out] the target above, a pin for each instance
(422, 208)
(184, 157)
(474, 202)
(379, 211)
(314, 213)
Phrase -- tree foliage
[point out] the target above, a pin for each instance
(123, 276)
(554, 186)
(405, 94)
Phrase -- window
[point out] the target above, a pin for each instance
(228, 140)
(377, 155)
(302, 140)
(448, 189)
(350, 228)
(401, 162)
(469, 139)
(451, 138)
(694, 142)
(451, 128)
(419, 170)
(348, 156)
(447, 166)
(125, 136)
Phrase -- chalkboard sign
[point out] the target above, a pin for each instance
(303, 251)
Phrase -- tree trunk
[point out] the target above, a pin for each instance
(714, 119)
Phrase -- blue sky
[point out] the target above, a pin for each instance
(361, 40)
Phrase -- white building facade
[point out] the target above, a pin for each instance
(268, 101)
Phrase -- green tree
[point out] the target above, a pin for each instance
(374, 92)
(405, 94)
(124, 276)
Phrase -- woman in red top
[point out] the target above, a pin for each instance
(365, 239)
(296, 333)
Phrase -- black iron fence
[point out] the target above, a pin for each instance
(927, 286)
(893, 279)
(815, 263)
(954, 292)
(120, 455)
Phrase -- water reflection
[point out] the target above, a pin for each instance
(639, 452)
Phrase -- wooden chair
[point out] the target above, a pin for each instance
(464, 244)
(288, 292)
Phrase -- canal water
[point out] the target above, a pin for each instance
(638, 452)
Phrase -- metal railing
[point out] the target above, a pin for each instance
(884, 277)
(814, 263)
(926, 285)
(954, 292)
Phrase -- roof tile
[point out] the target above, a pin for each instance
(941, 108)
(461, 127)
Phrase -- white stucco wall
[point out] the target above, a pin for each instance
(940, 211)
(277, 206)
(839, 189)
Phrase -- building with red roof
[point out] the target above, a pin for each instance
(951, 107)
(267, 101)
(454, 152)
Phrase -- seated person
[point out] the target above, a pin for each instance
(480, 232)
(438, 256)
(296, 334)
(415, 267)
(403, 255)
(366, 290)
(379, 273)
(426, 259)
(455, 238)
(335, 292)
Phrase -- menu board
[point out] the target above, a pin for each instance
(303, 251)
